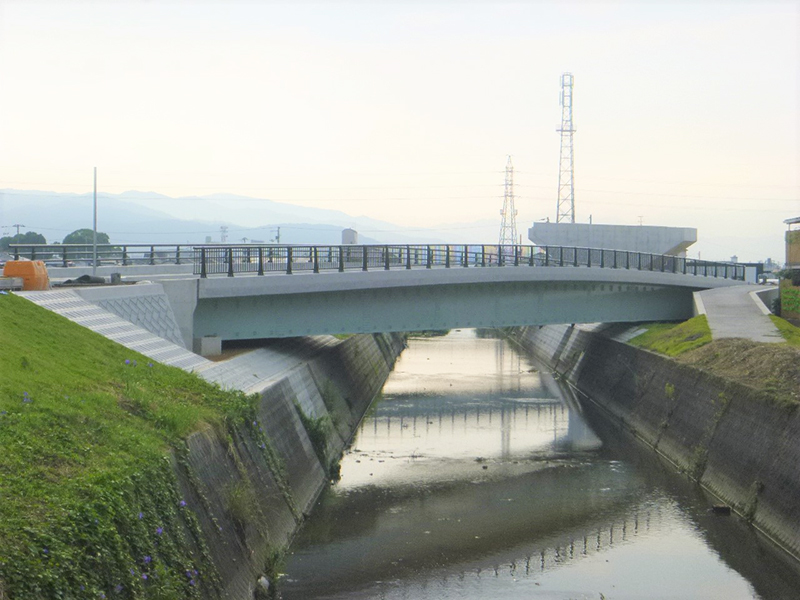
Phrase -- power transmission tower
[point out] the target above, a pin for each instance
(566, 167)
(508, 226)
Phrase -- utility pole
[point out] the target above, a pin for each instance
(565, 210)
(17, 225)
(223, 234)
(94, 228)
(508, 225)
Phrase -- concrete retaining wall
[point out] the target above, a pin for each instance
(255, 485)
(736, 442)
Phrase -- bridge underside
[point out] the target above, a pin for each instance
(447, 306)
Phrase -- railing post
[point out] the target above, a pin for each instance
(429, 259)
(203, 273)
(615, 258)
(547, 256)
(64, 256)
(261, 260)
(288, 260)
(341, 259)
(589, 257)
(516, 255)
(602, 259)
(16, 253)
(316, 259)
(386, 258)
(575, 249)
(230, 262)
(561, 256)
(408, 257)
(177, 255)
(33, 252)
(363, 258)
(530, 256)
(483, 256)
(447, 256)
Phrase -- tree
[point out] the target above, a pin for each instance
(29, 237)
(85, 236)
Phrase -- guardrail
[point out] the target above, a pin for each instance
(262, 259)
(68, 255)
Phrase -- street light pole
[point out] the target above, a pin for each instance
(94, 229)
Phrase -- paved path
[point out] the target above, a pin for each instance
(732, 312)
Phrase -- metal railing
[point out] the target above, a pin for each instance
(68, 255)
(262, 259)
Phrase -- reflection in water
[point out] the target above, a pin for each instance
(475, 477)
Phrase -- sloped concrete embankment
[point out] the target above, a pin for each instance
(253, 486)
(735, 441)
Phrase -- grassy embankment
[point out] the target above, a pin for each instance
(772, 368)
(89, 503)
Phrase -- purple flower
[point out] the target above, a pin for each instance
(132, 572)
(159, 530)
(127, 361)
(118, 588)
(25, 397)
(182, 503)
(191, 582)
(150, 365)
(144, 576)
(147, 560)
(46, 551)
(141, 515)
(102, 595)
(255, 423)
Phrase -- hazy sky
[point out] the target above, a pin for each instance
(686, 112)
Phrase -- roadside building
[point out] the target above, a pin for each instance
(790, 285)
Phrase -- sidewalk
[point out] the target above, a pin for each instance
(732, 312)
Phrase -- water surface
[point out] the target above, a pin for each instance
(477, 476)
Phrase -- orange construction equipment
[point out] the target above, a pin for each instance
(33, 273)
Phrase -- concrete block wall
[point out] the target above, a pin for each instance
(340, 383)
(735, 441)
(145, 305)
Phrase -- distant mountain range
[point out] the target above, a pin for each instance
(149, 217)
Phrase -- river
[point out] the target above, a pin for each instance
(477, 476)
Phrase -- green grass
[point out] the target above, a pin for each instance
(788, 331)
(86, 432)
(674, 339)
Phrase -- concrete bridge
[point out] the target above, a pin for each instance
(248, 292)
(221, 293)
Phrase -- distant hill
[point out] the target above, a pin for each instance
(149, 217)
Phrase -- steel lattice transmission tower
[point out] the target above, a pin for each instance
(508, 226)
(566, 166)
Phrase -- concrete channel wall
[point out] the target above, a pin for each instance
(735, 441)
(254, 486)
